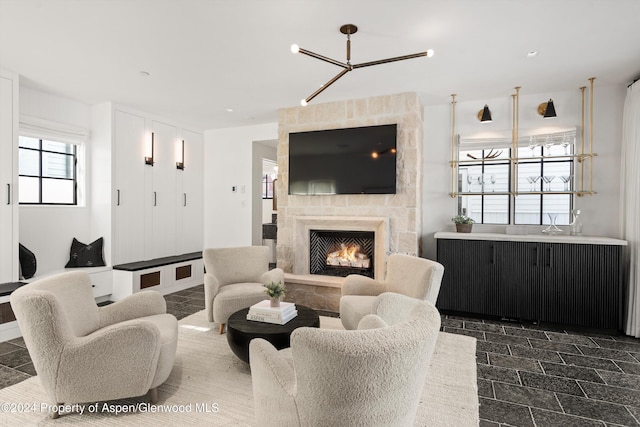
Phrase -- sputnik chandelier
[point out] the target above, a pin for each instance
(349, 29)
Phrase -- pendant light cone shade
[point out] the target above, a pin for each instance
(550, 111)
(486, 115)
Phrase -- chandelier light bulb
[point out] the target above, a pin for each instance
(295, 48)
(303, 102)
(429, 53)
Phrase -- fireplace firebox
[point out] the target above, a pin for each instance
(340, 253)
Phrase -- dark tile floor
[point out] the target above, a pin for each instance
(531, 375)
(528, 375)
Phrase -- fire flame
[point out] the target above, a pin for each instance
(348, 256)
(348, 252)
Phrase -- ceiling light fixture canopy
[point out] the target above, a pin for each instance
(348, 29)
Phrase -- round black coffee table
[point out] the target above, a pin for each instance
(241, 331)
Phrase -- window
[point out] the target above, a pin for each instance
(269, 173)
(545, 172)
(47, 172)
(267, 187)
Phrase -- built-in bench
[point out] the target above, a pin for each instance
(165, 275)
(101, 280)
(6, 313)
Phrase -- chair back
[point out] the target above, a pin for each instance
(364, 377)
(413, 276)
(236, 265)
(50, 313)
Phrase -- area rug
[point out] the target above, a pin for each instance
(209, 385)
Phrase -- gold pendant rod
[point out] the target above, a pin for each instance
(514, 137)
(591, 80)
(581, 159)
(454, 164)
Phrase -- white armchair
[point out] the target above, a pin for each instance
(85, 353)
(234, 279)
(408, 275)
(372, 376)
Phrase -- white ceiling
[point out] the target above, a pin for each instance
(207, 56)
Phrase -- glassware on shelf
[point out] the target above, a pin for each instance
(469, 181)
(548, 143)
(492, 178)
(532, 145)
(566, 179)
(533, 180)
(547, 179)
(481, 182)
(530, 181)
(552, 228)
(566, 142)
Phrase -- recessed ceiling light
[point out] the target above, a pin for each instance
(532, 54)
(229, 110)
(144, 73)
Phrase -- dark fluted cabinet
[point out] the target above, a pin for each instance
(566, 283)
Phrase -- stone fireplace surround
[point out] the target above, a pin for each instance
(396, 217)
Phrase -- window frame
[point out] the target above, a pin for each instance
(542, 160)
(265, 187)
(40, 177)
(511, 209)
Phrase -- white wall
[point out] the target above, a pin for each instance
(49, 230)
(599, 213)
(228, 162)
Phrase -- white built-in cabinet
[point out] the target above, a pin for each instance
(129, 178)
(190, 190)
(8, 177)
(164, 191)
(157, 210)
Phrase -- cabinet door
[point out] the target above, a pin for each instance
(190, 185)
(471, 276)
(164, 199)
(8, 191)
(582, 285)
(129, 178)
(520, 275)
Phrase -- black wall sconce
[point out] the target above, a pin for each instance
(180, 164)
(149, 160)
(547, 110)
(484, 115)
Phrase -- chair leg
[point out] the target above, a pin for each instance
(153, 395)
(56, 413)
(221, 330)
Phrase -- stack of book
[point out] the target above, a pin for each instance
(263, 312)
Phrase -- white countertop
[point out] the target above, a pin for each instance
(558, 238)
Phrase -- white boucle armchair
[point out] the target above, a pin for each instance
(366, 377)
(234, 279)
(408, 275)
(85, 353)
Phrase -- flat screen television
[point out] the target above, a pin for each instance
(358, 160)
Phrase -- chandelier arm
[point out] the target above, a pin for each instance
(326, 85)
(394, 59)
(323, 58)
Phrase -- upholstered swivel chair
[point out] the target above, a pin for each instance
(85, 353)
(370, 376)
(234, 279)
(408, 275)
